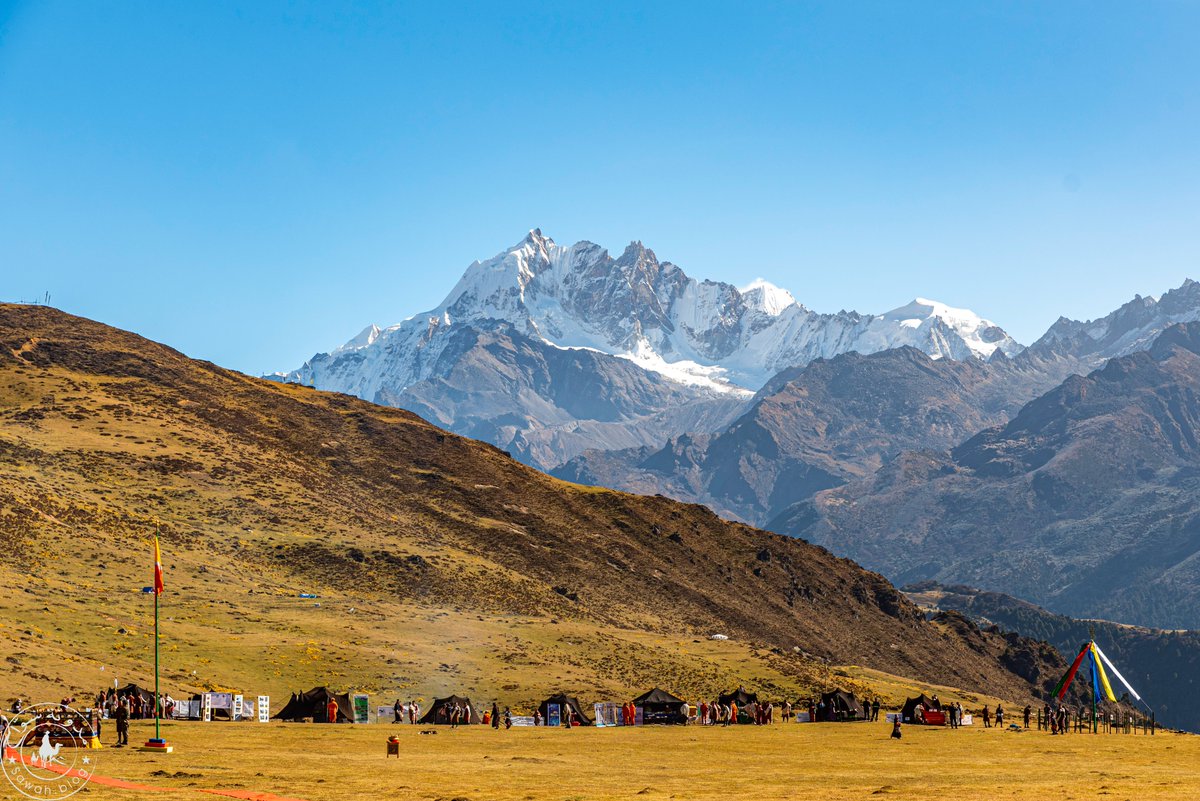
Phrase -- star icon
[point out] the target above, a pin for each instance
(12, 760)
(87, 760)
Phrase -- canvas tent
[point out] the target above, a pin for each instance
(147, 696)
(841, 705)
(565, 702)
(439, 712)
(739, 696)
(908, 713)
(659, 706)
(314, 704)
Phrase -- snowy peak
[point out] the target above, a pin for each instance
(982, 338)
(767, 298)
(365, 338)
(707, 334)
(1130, 328)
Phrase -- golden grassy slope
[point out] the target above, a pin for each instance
(441, 563)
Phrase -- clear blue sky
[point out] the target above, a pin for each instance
(253, 182)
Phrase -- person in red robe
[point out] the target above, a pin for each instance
(331, 711)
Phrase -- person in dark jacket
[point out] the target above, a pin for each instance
(122, 716)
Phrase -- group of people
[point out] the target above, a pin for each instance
(493, 718)
(137, 705)
(409, 711)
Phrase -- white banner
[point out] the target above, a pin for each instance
(264, 709)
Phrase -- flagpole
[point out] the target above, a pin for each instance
(157, 697)
(158, 744)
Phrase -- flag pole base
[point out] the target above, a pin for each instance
(158, 747)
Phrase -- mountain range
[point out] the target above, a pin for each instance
(627, 373)
(1087, 501)
(487, 361)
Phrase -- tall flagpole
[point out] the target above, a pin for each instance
(157, 697)
(1095, 672)
(157, 744)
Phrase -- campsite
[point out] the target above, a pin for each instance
(599, 400)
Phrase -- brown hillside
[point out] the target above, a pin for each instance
(421, 543)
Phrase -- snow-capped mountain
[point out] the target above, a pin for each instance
(708, 334)
(548, 350)
(1129, 329)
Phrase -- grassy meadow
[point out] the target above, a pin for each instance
(824, 761)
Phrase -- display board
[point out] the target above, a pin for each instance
(361, 704)
(553, 715)
(607, 714)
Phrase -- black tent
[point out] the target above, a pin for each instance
(739, 696)
(659, 706)
(565, 702)
(147, 696)
(315, 704)
(908, 711)
(841, 705)
(439, 712)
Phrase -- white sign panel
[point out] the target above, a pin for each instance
(264, 709)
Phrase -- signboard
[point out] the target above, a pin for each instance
(264, 709)
(385, 713)
(221, 700)
(206, 700)
(638, 717)
(553, 715)
(362, 708)
(607, 715)
(239, 706)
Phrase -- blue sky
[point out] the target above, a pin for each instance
(254, 182)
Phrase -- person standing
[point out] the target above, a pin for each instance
(1028, 711)
(495, 716)
(875, 709)
(397, 710)
(122, 716)
(987, 718)
(331, 711)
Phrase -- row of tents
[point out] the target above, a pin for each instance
(658, 707)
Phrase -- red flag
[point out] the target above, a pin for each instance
(1065, 682)
(158, 576)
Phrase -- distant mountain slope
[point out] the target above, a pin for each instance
(816, 427)
(718, 343)
(1088, 501)
(1163, 666)
(262, 489)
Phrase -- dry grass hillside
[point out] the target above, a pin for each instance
(441, 562)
